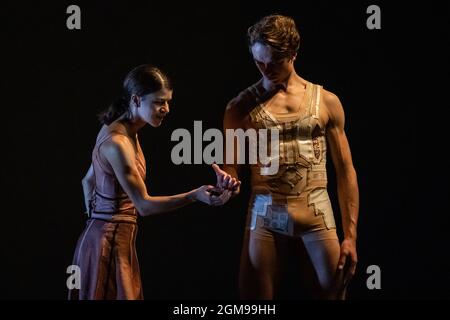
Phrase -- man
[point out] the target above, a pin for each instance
(292, 207)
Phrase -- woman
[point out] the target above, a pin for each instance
(115, 192)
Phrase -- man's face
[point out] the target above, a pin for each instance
(272, 68)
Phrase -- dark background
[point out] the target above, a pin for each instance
(54, 82)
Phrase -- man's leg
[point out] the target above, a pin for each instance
(323, 251)
(261, 263)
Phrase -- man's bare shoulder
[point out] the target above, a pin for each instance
(245, 101)
(330, 99)
(333, 107)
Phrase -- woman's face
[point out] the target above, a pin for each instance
(154, 107)
(272, 68)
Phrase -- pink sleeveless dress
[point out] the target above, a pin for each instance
(106, 250)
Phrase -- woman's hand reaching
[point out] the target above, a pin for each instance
(225, 181)
(211, 195)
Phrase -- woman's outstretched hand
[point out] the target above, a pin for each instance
(226, 187)
(211, 195)
(226, 181)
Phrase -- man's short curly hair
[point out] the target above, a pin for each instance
(277, 31)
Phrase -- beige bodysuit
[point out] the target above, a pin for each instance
(295, 200)
(289, 213)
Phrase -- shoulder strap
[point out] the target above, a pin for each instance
(316, 101)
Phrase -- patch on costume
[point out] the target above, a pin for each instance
(259, 208)
(277, 218)
(291, 176)
(316, 147)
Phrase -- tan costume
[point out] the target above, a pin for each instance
(106, 250)
(291, 205)
(295, 200)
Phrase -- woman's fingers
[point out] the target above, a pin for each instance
(236, 186)
(221, 199)
(224, 180)
(220, 174)
(234, 183)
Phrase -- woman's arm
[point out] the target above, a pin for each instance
(88, 183)
(120, 154)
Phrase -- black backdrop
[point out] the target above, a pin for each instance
(56, 80)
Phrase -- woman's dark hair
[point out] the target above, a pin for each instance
(142, 80)
(277, 31)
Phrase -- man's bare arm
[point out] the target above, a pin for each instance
(345, 172)
(347, 185)
(231, 120)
